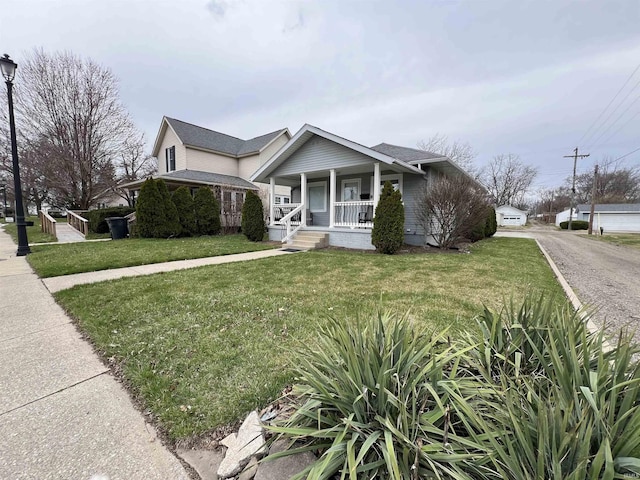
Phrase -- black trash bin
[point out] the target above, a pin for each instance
(118, 227)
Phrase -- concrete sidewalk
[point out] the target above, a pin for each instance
(62, 414)
(55, 284)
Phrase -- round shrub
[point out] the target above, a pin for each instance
(97, 222)
(388, 223)
(253, 225)
(575, 225)
(207, 212)
(183, 201)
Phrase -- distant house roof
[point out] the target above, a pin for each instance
(610, 208)
(509, 208)
(203, 138)
(406, 154)
(199, 178)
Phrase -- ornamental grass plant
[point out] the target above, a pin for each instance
(535, 395)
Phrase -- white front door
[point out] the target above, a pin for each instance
(351, 190)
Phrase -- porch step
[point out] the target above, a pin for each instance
(310, 240)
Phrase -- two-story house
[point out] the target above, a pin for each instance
(195, 156)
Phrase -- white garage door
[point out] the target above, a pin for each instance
(618, 222)
(511, 220)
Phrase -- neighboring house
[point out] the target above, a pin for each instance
(194, 156)
(336, 183)
(563, 216)
(508, 216)
(612, 217)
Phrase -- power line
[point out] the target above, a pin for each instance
(626, 154)
(609, 104)
(612, 112)
(616, 121)
(604, 142)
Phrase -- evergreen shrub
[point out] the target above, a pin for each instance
(388, 223)
(253, 226)
(575, 225)
(97, 222)
(207, 211)
(183, 201)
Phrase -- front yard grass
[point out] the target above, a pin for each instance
(66, 259)
(34, 233)
(626, 239)
(200, 348)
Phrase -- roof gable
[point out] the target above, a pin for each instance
(309, 131)
(203, 138)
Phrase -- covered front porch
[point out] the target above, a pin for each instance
(331, 201)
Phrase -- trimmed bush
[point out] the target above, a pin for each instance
(575, 225)
(388, 223)
(491, 226)
(207, 212)
(149, 211)
(253, 226)
(97, 222)
(171, 227)
(183, 201)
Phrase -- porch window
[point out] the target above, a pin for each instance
(317, 197)
(281, 199)
(351, 190)
(170, 158)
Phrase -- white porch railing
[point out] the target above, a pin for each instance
(354, 214)
(288, 223)
(280, 211)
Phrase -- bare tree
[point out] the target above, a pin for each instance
(70, 108)
(461, 153)
(508, 179)
(450, 208)
(132, 163)
(616, 183)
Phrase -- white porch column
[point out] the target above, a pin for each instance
(272, 199)
(303, 199)
(332, 198)
(376, 185)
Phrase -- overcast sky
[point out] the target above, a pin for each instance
(523, 77)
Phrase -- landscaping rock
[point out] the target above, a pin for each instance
(205, 462)
(250, 470)
(285, 467)
(248, 442)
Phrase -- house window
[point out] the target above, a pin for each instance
(281, 199)
(170, 158)
(317, 196)
(351, 190)
(396, 181)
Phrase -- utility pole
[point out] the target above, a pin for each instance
(593, 199)
(575, 157)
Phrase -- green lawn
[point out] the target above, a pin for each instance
(201, 347)
(34, 233)
(627, 239)
(65, 259)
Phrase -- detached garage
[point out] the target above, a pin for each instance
(612, 217)
(508, 216)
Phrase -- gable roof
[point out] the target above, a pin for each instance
(203, 138)
(610, 207)
(406, 154)
(509, 208)
(308, 131)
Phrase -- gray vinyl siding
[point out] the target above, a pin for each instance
(321, 154)
(412, 188)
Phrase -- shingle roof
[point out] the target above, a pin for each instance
(609, 207)
(209, 178)
(404, 153)
(200, 137)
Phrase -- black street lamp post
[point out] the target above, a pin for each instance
(8, 68)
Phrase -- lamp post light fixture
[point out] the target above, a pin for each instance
(8, 68)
